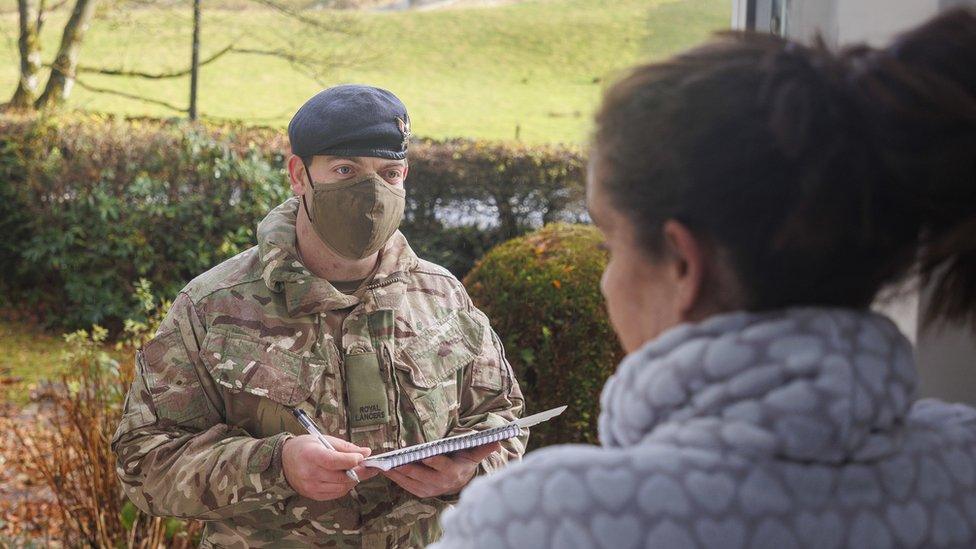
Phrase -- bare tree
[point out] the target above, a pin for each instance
(31, 18)
(195, 60)
(30, 53)
(310, 61)
(60, 82)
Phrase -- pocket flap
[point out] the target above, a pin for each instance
(242, 363)
(439, 351)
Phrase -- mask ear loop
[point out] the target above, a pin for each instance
(308, 175)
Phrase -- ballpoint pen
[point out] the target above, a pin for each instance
(309, 426)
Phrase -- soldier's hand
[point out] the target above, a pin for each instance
(318, 473)
(440, 475)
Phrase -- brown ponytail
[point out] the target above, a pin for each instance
(825, 176)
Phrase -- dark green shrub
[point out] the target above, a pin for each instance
(90, 203)
(464, 197)
(101, 202)
(541, 292)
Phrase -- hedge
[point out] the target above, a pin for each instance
(90, 204)
(542, 294)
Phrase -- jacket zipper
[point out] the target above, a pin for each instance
(385, 282)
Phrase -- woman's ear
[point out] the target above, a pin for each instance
(688, 267)
(296, 175)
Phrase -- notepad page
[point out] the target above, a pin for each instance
(462, 442)
(411, 454)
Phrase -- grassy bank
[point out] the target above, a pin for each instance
(538, 65)
(27, 355)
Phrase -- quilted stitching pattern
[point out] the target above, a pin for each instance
(788, 429)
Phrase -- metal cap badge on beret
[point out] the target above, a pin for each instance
(351, 120)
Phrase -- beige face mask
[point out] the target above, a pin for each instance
(356, 218)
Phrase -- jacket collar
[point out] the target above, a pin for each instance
(306, 293)
(809, 384)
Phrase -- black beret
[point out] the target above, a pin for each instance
(351, 120)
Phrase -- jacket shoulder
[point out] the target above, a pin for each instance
(431, 284)
(243, 268)
(426, 268)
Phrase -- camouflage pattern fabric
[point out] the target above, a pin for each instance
(207, 415)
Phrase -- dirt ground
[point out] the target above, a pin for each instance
(27, 516)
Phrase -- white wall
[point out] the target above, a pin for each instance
(877, 21)
(843, 22)
(738, 14)
(809, 18)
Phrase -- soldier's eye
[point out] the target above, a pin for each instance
(344, 170)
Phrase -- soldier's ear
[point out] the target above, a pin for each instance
(297, 175)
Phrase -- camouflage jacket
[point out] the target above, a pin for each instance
(207, 414)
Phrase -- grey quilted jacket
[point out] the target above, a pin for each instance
(796, 428)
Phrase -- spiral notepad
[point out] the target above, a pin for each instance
(418, 452)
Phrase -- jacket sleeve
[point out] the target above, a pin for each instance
(490, 396)
(175, 455)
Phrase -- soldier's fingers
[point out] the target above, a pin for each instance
(365, 473)
(440, 463)
(421, 473)
(481, 452)
(332, 477)
(397, 475)
(414, 487)
(334, 461)
(346, 446)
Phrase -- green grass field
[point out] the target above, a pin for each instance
(28, 355)
(472, 72)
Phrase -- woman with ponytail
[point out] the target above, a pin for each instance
(756, 195)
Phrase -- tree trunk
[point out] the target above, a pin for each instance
(63, 70)
(30, 55)
(195, 60)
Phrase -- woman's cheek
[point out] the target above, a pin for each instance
(614, 292)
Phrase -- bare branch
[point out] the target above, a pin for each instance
(39, 21)
(272, 53)
(43, 11)
(151, 75)
(297, 61)
(129, 96)
(306, 65)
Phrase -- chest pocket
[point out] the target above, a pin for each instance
(430, 368)
(261, 381)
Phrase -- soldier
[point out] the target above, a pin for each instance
(332, 313)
